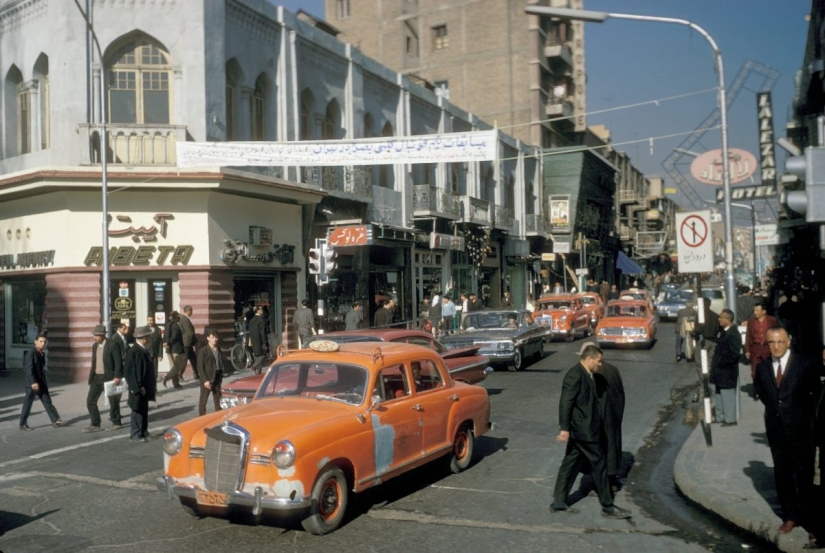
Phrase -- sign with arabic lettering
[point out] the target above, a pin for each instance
(351, 235)
(145, 233)
(707, 167)
(431, 148)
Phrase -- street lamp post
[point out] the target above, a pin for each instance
(601, 17)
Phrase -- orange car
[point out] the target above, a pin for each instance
(564, 314)
(637, 294)
(326, 421)
(627, 322)
(594, 305)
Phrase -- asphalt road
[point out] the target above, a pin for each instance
(62, 490)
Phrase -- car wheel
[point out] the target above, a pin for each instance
(189, 507)
(461, 455)
(329, 502)
(517, 363)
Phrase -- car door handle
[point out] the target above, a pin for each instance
(454, 397)
(417, 407)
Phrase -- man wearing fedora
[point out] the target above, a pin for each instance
(100, 372)
(138, 370)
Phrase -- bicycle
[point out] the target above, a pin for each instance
(241, 353)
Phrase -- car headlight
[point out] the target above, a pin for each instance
(172, 441)
(562, 318)
(283, 454)
(601, 332)
(228, 402)
(643, 333)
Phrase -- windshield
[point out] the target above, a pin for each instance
(318, 381)
(677, 295)
(556, 304)
(494, 319)
(587, 300)
(626, 311)
(712, 294)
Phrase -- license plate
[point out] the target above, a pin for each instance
(217, 499)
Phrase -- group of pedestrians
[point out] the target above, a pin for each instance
(441, 315)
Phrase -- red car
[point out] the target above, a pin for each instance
(463, 363)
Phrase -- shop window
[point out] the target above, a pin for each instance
(28, 300)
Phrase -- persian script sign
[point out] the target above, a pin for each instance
(707, 168)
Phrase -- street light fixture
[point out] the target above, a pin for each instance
(601, 17)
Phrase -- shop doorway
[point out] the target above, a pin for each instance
(253, 291)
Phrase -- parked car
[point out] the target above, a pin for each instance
(564, 314)
(594, 305)
(326, 422)
(627, 322)
(506, 336)
(464, 364)
(672, 302)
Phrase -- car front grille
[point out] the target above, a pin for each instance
(622, 331)
(225, 457)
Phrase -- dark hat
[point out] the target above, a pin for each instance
(99, 330)
(142, 332)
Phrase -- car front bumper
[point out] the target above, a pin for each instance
(258, 501)
(617, 340)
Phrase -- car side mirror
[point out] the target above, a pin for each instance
(376, 403)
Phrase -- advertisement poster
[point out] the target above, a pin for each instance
(560, 214)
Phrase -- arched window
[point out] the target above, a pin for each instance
(139, 74)
(258, 109)
(331, 122)
(41, 75)
(17, 114)
(385, 172)
(369, 132)
(307, 105)
(234, 81)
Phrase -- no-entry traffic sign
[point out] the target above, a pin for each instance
(694, 242)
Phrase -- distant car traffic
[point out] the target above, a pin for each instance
(464, 364)
(506, 336)
(672, 302)
(323, 424)
(594, 305)
(564, 314)
(627, 322)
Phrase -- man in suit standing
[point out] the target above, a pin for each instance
(581, 427)
(155, 345)
(139, 374)
(304, 321)
(114, 352)
(34, 367)
(724, 369)
(788, 385)
(383, 317)
(257, 334)
(756, 341)
(189, 341)
(211, 367)
(474, 304)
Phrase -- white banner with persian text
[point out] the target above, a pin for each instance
(433, 148)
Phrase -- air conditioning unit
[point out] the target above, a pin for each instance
(260, 236)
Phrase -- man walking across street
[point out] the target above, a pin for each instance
(138, 372)
(257, 334)
(724, 370)
(34, 367)
(211, 363)
(175, 349)
(788, 386)
(611, 390)
(581, 426)
(101, 371)
(304, 322)
(188, 331)
(756, 341)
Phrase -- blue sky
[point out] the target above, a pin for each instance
(629, 62)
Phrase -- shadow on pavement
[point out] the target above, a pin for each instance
(11, 521)
(160, 414)
(763, 482)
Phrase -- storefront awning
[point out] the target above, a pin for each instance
(627, 265)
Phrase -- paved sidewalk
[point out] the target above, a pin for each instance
(734, 477)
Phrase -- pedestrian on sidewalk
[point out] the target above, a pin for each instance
(139, 374)
(355, 315)
(114, 353)
(189, 341)
(304, 321)
(788, 386)
(102, 371)
(447, 314)
(211, 368)
(257, 335)
(155, 345)
(34, 366)
(756, 341)
(724, 369)
(581, 427)
(685, 323)
(176, 351)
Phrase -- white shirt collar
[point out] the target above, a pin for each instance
(784, 359)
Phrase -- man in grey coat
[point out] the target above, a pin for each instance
(304, 322)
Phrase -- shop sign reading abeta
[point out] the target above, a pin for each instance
(142, 255)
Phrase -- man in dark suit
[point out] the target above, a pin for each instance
(189, 341)
(474, 304)
(257, 334)
(724, 369)
(34, 366)
(139, 374)
(97, 376)
(611, 392)
(114, 352)
(788, 385)
(582, 427)
(155, 344)
(211, 367)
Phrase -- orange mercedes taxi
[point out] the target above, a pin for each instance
(627, 322)
(325, 422)
(565, 314)
(637, 294)
(594, 305)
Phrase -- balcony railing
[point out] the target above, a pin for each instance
(341, 181)
(430, 201)
(136, 144)
(535, 224)
(560, 52)
(503, 218)
(475, 210)
(559, 108)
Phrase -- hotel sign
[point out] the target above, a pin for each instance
(767, 158)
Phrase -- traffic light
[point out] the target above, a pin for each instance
(330, 256)
(316, 261)
(809, 202)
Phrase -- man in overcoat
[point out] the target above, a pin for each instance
(611, 387)
(34, 367)
(260, 343)
(189, 340)
(211, 368)
(581, 427)
(138, 370)
(788, 385)
(724, 369)
(114, 352)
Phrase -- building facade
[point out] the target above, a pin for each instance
(222, 239)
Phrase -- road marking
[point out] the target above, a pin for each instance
(125, 484)
(471, 489)
(396, 514)
(53, 452)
